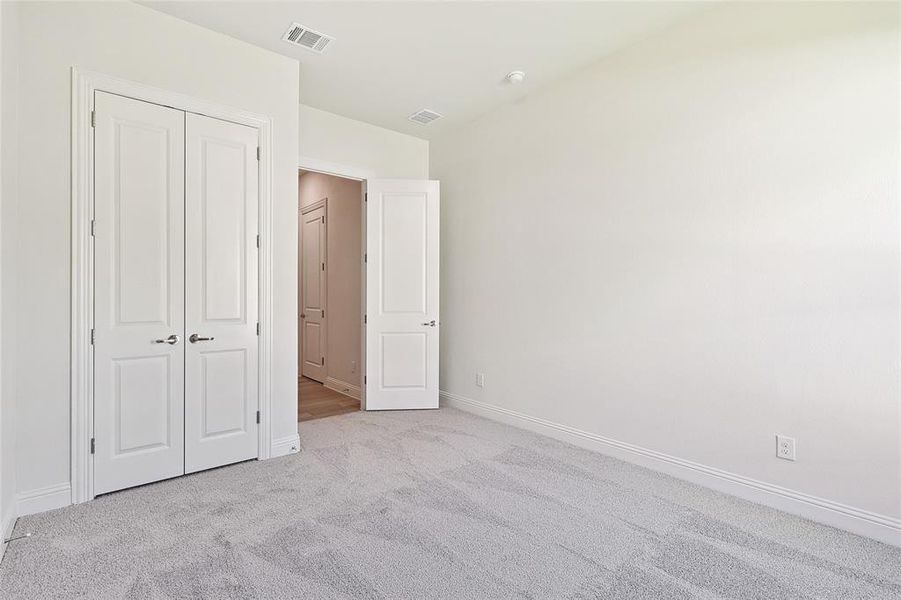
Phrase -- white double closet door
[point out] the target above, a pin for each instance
(175, 292)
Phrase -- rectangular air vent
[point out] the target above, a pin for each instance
(303, 36)
(424, 116)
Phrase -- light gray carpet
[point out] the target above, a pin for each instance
(436, 504)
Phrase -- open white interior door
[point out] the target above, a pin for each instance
(401, 333)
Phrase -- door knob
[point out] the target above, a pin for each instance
(430, 323)
(196, 338)
(303, 316)
(171, 340)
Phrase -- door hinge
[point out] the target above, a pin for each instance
(92, 445)
(93, 227)
(258, 416)
(258, 328)
(258, 240)
(93, 118)
(323, 361)
(258, 153)
(366, 197)
(365, 316)
(323, 219)
(323, 266)
(323, 314)
(364, 380)
(365, 257)
(92, 337)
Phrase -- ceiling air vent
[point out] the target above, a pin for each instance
(303, 36)
(424, 116)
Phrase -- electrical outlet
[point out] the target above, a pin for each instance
(785, 447)
(480, 379)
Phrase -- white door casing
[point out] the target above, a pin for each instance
(139, 299)
(314, 291)
(221, 349)
(402, 316)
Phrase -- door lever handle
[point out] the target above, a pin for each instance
(171, 340)
(430, 323)
(196, 338)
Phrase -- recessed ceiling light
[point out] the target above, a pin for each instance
(515, 77)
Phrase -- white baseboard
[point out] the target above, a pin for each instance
(45, 498)
(862, 522)
(285, 445)
(342, 387)
(7, 523)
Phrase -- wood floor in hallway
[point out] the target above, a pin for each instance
(318, 401)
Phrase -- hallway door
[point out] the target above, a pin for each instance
(314, 273)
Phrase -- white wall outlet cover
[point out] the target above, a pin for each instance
(785, 447)
(480, 379)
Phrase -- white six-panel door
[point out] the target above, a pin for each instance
(175, 292)
(221, 199)
(139, 293)
(402, 219)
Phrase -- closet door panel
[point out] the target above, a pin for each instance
(138, 292)
(221, 354)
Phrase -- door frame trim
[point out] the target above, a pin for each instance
(81, 366)
(308, 163)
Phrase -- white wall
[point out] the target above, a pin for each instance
(694, 245)
(136, 43)
(379, 152)
(8, 200)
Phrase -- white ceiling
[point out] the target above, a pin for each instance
(390, 59)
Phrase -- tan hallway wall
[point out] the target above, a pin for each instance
(344, 270)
